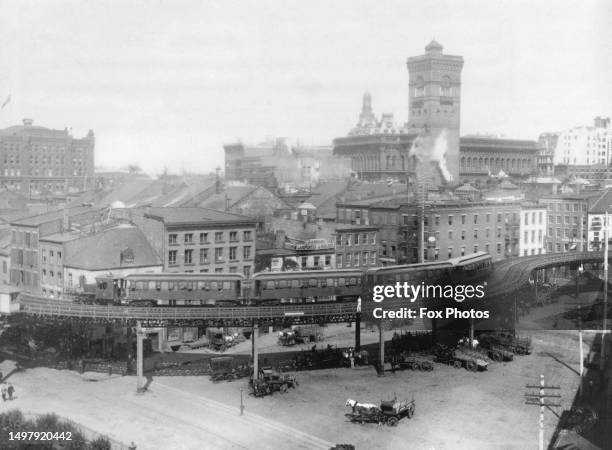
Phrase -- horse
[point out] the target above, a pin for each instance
(361, 407)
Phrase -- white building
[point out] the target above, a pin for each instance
(532, 230)
(585, 145)
(596, 220)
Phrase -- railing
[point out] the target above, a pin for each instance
(42, 306)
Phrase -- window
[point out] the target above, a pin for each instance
(499, 218)
(204, 256)
(475, 248)
(203, 238)
(172, 239)
(373, 258)
(462, 251)
(339, 260)
(499, 232)
(356, 238)
(463, 235)
(172, 257)
(233, 269)
(188, 256)
(246, 270)
(327, 260)
(189, 238)
(488, 218)
(499, 249)
(437, 220)
(450, 252)
(488, 232)
(218, 254)
(475, 219)
(44, 256)
(219, 270)
(219, 236)
(356, 259)
(366, 258)
(232, 253)
(450, 219)
(233, 236)
(246, 252)
(247, 236)
(475, 234)
(348, 260)
(526, 237)
(450, 234)
(526, 218)
(462, 219)
(487, 248)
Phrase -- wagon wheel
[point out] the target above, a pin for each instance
(283, 388)
(497, 356)
(414, 365)
(457, 364)
(427, 367)
(471, 366)
(521, 351)
(392, 421)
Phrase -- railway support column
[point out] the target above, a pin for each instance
(140, 334)
(381, 339)
(471, 332)
(358, 331)
(254, 355)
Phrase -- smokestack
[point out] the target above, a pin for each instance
(217, 181)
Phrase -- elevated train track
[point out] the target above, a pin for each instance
(508, 276)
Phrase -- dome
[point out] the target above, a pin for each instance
(434, 47)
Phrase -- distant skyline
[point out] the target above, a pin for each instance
(164, 84)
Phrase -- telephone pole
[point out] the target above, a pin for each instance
(539, 399)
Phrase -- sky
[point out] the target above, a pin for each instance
(164, 84)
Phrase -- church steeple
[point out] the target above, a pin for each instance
(367, 116)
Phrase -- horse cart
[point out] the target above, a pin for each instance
(270, 381)
(388, 413)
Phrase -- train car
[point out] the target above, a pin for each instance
(306, 286)
(429, 272)
(472, 269)
(176, 289)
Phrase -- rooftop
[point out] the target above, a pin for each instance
(123, 246)
(602, 203)
(201, 216)
(34, 221)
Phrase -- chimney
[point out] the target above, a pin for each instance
(65, 220)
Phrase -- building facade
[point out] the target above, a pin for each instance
(200, 240)
(586, 145)
(532, 230)
(70, 261)
(434, 108)
(566, 222)
(357, 246)
(597, 219)
(482, 157)
(25, 260)
(37, 160)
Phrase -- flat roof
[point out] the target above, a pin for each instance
(201, 216)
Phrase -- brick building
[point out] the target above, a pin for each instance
(356, 246)
(199, 239)
(566, 221)
(25, 271)
(37, 160)
(71, 260)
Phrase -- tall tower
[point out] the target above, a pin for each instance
(434, 107)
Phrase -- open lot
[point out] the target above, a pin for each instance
(455, 409)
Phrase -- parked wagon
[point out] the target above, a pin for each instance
(461, 358)
(388, 413)
(507, 341)
(223, 369)
(412, 361)
(270, 381)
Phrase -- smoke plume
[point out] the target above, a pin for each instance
(427, 150)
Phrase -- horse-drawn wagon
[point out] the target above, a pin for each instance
(388, 413)
(270, 381)
(412, 361)
(223, 369)
(458, 358)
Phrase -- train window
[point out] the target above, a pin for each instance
(295, 283)
(227, 285)
(182, 285)
(207, 285)
(102, 286)
(282, 284)
(351, 282)
(313, 282)
(329, 282)
(341, 282)
(269, 285)
(201, 285)
(213, 285)
(171, 285)
(151, 285)
(358, 280)
(304, 283)
(158, 285)
(323, 283)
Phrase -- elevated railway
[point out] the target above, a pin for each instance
(508, 276)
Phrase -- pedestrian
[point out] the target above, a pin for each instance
(10, 390)
(3, 392)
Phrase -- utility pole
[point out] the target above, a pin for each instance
(602, 360)
(421, 200)
(539, 399)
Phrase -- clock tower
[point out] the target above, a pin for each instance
(434, 102)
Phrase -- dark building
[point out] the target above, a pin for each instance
(37, 160)
(567, 221)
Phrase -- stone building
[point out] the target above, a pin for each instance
(532, 231)
(37, 160)
(566, 221)
(200, 239)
